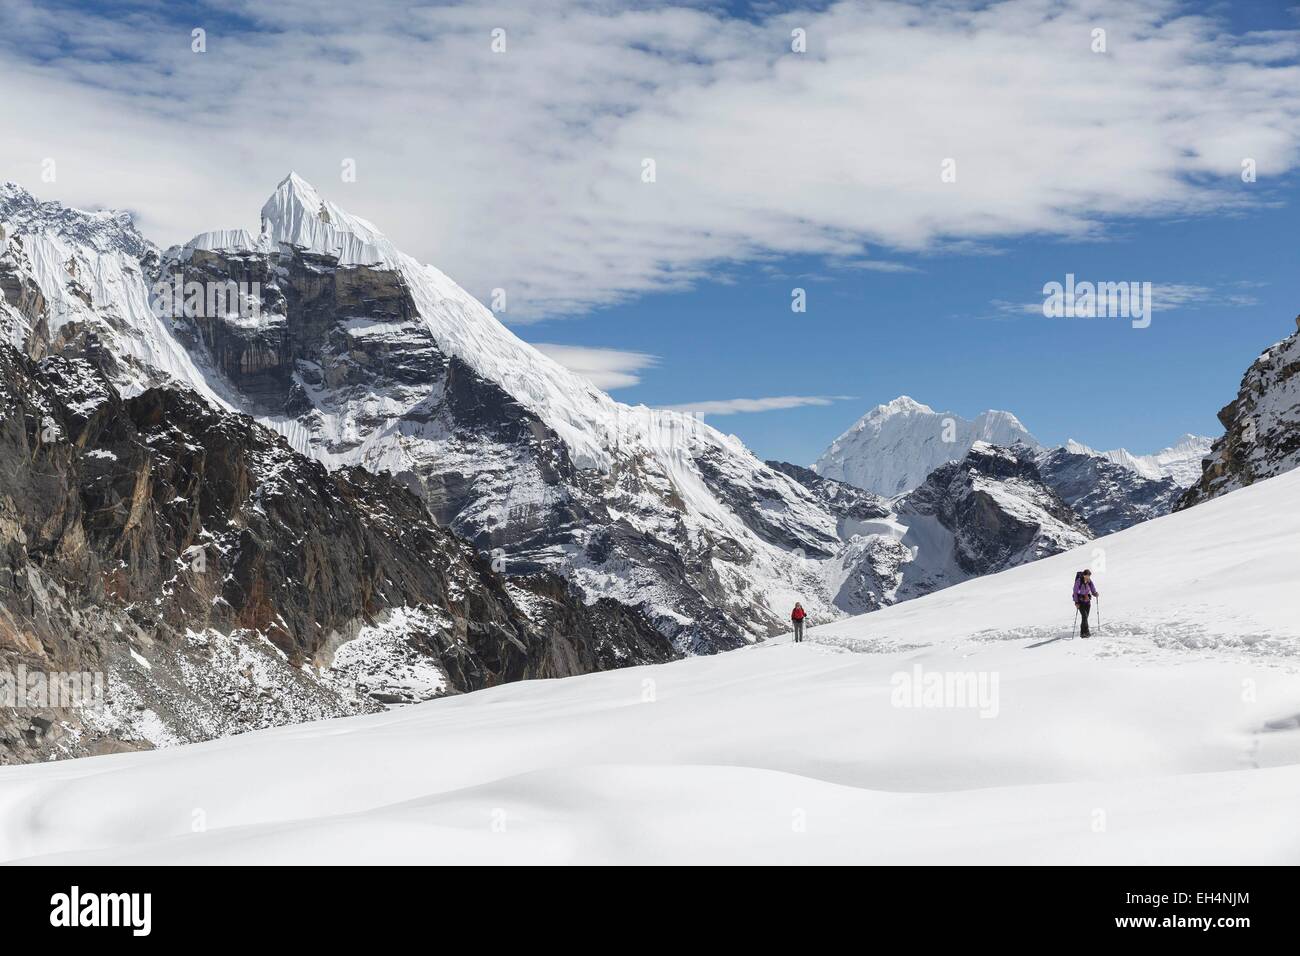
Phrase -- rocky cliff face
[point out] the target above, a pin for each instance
(212, 574)
(997, 508)
(1262, 426)
(20, 292)
(1109, 497)
(848, 503)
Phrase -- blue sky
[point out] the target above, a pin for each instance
(934, 334)
(522, 170)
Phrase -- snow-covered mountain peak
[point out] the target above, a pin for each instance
(298, 218)
(296, 215)
(895, 446)
(995, 421)
(103, 231)
(94, 271)
(989, 450)
(903, 405)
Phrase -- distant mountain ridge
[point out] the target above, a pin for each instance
(1180, 462)
(987, 512)
(894, 447)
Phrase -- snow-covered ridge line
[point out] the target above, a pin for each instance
(1181, 461)
(894, 446)
(94, 270)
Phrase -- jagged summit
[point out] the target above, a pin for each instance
(104, 230)
(894, 447)
(899, 406)
(297, 216)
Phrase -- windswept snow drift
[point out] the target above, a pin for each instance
(1173, 737)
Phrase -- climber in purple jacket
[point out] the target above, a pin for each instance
(1084, 592)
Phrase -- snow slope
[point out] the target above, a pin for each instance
(1172, 737)
(894, 447)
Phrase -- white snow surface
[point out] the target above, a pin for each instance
(894, 447)
(1173, 736)
(1181, 461)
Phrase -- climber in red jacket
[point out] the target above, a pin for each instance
(797, 616)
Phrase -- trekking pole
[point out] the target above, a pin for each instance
(1075, 626)
(1098, 613)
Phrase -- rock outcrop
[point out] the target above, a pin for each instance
(1109, 497)
(211, 574)
(997, 508)
(1262, 426)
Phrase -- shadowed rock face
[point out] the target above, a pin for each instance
(998, 508)
(17, 288)
(1262, 426)
(1107, 496)
(845, 501)
(130, 528)
(304, 326)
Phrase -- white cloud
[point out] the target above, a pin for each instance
(1165, 297)
(734, 406)
(605, 368)
(882, 265)
(522, 170)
